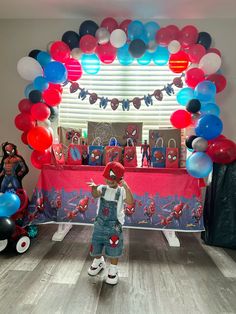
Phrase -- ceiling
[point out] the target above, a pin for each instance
(145, 9)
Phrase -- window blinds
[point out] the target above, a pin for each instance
(122, 82)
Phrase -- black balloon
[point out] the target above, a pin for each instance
(137, 48)
(189, 141)
(7, 227)
(54, 113)
(71, 38)
(35, 96)
(204, 39)
(34, 53)
(193, 105)
(88, 27)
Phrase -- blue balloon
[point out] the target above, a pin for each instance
(184, 95)
(124, 56)
(44, 58)
(145, 59)
(136, 30)
(210, 108)
(209, 126)
(199, 165)
(9, 204)
(55, 72)
(29, 89)
(161, 56)
(205, 91)
(151, 30)
(40, 83)
(90, 63)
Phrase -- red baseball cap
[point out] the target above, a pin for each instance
(114, 171)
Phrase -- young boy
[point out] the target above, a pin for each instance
(110, 218)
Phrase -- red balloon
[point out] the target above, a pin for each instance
(60, 51)
(180, 119)
(24, 138)
(124, 25)
(222, 151)
(40, 111)
(219, 138)
(38, 159)
(74, 69)
(88, 43)
(39, 138)
(25, 105)
(56, 86)
(174, 32)
(24, 122)
(163, 36)
(52, 97)
(215, 50)
(219, 80)
(110, 24)
(178, 62)
(188, 35)
(194, 76)
(106, 53)
(196, 52)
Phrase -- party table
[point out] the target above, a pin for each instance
(165, 199)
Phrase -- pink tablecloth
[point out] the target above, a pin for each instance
(164, 198)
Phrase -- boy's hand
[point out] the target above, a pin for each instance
(91, 183)
(123, 183)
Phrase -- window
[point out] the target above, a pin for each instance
(122, 82)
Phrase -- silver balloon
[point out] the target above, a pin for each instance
(102, 35)
(49, 46)
(152, 45)
(76, 53)
(45, 123)
(199, 144)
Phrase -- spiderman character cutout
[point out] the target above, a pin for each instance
(12, 169)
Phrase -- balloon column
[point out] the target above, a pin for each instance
(9, 204)
(184, 50)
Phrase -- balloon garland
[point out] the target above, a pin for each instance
(187, 52)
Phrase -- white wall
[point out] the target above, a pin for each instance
(19, 37)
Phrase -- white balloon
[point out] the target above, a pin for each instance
(174, 46)
(118, 38)
(76, 53)
(210, 63)
(46, 123)
(29, 68)
(102, 35)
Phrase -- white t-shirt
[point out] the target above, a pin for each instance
(110, 196)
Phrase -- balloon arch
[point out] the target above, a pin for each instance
(186, 51)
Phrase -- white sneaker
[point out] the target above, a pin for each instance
(112, 277)
(96, 267)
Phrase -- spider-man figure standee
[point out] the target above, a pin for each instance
(145, 151)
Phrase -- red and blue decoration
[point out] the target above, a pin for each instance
(186, 51)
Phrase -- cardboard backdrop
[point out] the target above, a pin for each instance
(121, 131)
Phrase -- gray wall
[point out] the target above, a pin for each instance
(19, 37)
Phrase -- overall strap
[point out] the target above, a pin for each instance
(103, 191)
(117, 196)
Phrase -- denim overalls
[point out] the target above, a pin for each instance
(107, 229)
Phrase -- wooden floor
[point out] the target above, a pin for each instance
(154, 278)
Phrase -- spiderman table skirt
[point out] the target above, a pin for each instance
(165, 199)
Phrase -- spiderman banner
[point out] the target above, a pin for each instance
(164, 198)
